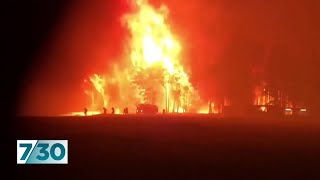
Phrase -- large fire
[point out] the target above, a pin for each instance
(153, 73)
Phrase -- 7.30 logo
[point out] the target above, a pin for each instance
(42, 151)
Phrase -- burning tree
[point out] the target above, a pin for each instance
(155, 74)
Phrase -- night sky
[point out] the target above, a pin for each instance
(228, 45)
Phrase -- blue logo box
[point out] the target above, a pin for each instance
(42, 151)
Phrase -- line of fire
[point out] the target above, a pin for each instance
(154, 75)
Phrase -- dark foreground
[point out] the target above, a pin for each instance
(175, 147)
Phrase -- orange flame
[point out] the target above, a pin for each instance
(154, 74)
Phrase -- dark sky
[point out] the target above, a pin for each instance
(228, 45)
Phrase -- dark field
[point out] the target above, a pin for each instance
(176, 147)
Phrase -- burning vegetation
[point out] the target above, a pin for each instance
(274, 100)
(154, 73)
